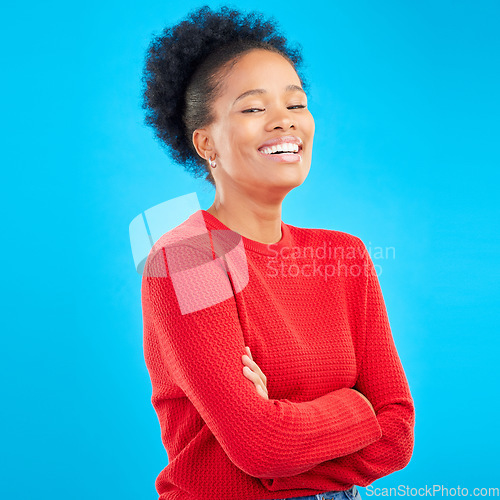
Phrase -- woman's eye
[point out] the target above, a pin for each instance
(255, 110)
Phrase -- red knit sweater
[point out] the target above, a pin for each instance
(311, 310)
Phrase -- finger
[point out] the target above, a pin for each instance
(263, 393)
(250, 374)
(249, 353)
(254, 367)
(254, 377)
(247, 360)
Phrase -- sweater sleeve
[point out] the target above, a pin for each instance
(202, 346)
(382, 380)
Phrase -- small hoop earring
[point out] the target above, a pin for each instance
(212, 163)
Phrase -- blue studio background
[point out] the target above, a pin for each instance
(406, 102)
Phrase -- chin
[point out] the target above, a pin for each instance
(288, 181)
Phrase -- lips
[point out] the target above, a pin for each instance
(285, 139)
(283, 149)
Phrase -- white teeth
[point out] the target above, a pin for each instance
(285, 147)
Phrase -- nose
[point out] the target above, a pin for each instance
(281, 119)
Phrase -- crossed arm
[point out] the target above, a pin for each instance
(383, 380)
(360, 433)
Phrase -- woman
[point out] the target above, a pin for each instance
(273, 367)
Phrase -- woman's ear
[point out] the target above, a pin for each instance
(203, 143)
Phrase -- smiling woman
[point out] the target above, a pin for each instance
(261, 139)
(272, 376)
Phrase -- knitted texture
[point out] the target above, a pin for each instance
(311, 310)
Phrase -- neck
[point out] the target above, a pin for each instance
(256, 221)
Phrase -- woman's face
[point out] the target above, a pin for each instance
(261, 105)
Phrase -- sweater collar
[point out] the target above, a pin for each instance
(270, 249)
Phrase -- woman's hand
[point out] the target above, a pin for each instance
(252, 371)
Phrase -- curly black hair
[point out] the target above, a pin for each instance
(181, 75)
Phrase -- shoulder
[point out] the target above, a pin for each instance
(187, 244)
(197, 277)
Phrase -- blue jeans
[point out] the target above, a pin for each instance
(350, 494)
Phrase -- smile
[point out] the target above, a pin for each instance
(285, 149)
(279, 154)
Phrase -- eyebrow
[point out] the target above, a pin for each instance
(289, 88)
